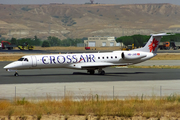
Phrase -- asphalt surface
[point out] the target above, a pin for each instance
(160, 62)
(70, 75)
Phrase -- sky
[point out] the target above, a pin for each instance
(176, 2)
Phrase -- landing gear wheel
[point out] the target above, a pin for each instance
(91, 72)
(16, 74)
(102, 72)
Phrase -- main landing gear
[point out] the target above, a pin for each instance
(92, 72)
(100, 71)
(16, 74)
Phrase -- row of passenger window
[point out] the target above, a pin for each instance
(107, 57)
(25, 59)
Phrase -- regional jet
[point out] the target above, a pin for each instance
(88, 61)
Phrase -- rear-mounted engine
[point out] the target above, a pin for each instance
(132, 55)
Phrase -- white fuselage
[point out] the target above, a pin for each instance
(86, 61)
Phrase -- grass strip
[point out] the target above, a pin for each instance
(137, 106)
(10, 58)
(156, 66)
(167, 56)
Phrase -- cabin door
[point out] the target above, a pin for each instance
(34, 61)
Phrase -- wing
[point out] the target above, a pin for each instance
(100, 65)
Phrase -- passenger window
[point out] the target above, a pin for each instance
(107, 57)
(102, 57)
(115, 56)
(111, 57)
(98, 57)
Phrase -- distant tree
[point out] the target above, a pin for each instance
(119, 39)
(137, 40)
(13, 41)
(22, 41)
(175, 38)
(54, 41)
(128, 40)
(45, 44)
(36, 41)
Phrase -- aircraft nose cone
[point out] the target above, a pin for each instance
(5, 67)
(8, 66)
(13, 65)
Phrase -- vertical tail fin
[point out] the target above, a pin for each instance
(152, 44)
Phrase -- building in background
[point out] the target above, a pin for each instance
(101, 42)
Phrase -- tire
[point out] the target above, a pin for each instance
(91, 72)
(16, 74)
(102, 72)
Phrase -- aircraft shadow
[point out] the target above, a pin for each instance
(114, 73)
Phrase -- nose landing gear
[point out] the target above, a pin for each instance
(16, 74)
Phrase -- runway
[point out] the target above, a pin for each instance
(126, 82)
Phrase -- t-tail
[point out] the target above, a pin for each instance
(152, 44)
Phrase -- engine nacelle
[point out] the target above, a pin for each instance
(132, 55)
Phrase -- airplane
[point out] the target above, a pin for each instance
(88, 61)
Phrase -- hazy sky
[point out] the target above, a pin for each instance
(177, 2)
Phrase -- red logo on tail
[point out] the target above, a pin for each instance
(153, 45)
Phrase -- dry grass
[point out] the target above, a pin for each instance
(10, 58)
(122, 108)
(167, 56)
(156, 66)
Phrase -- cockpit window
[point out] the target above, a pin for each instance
(25, 59)
(21, 59)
